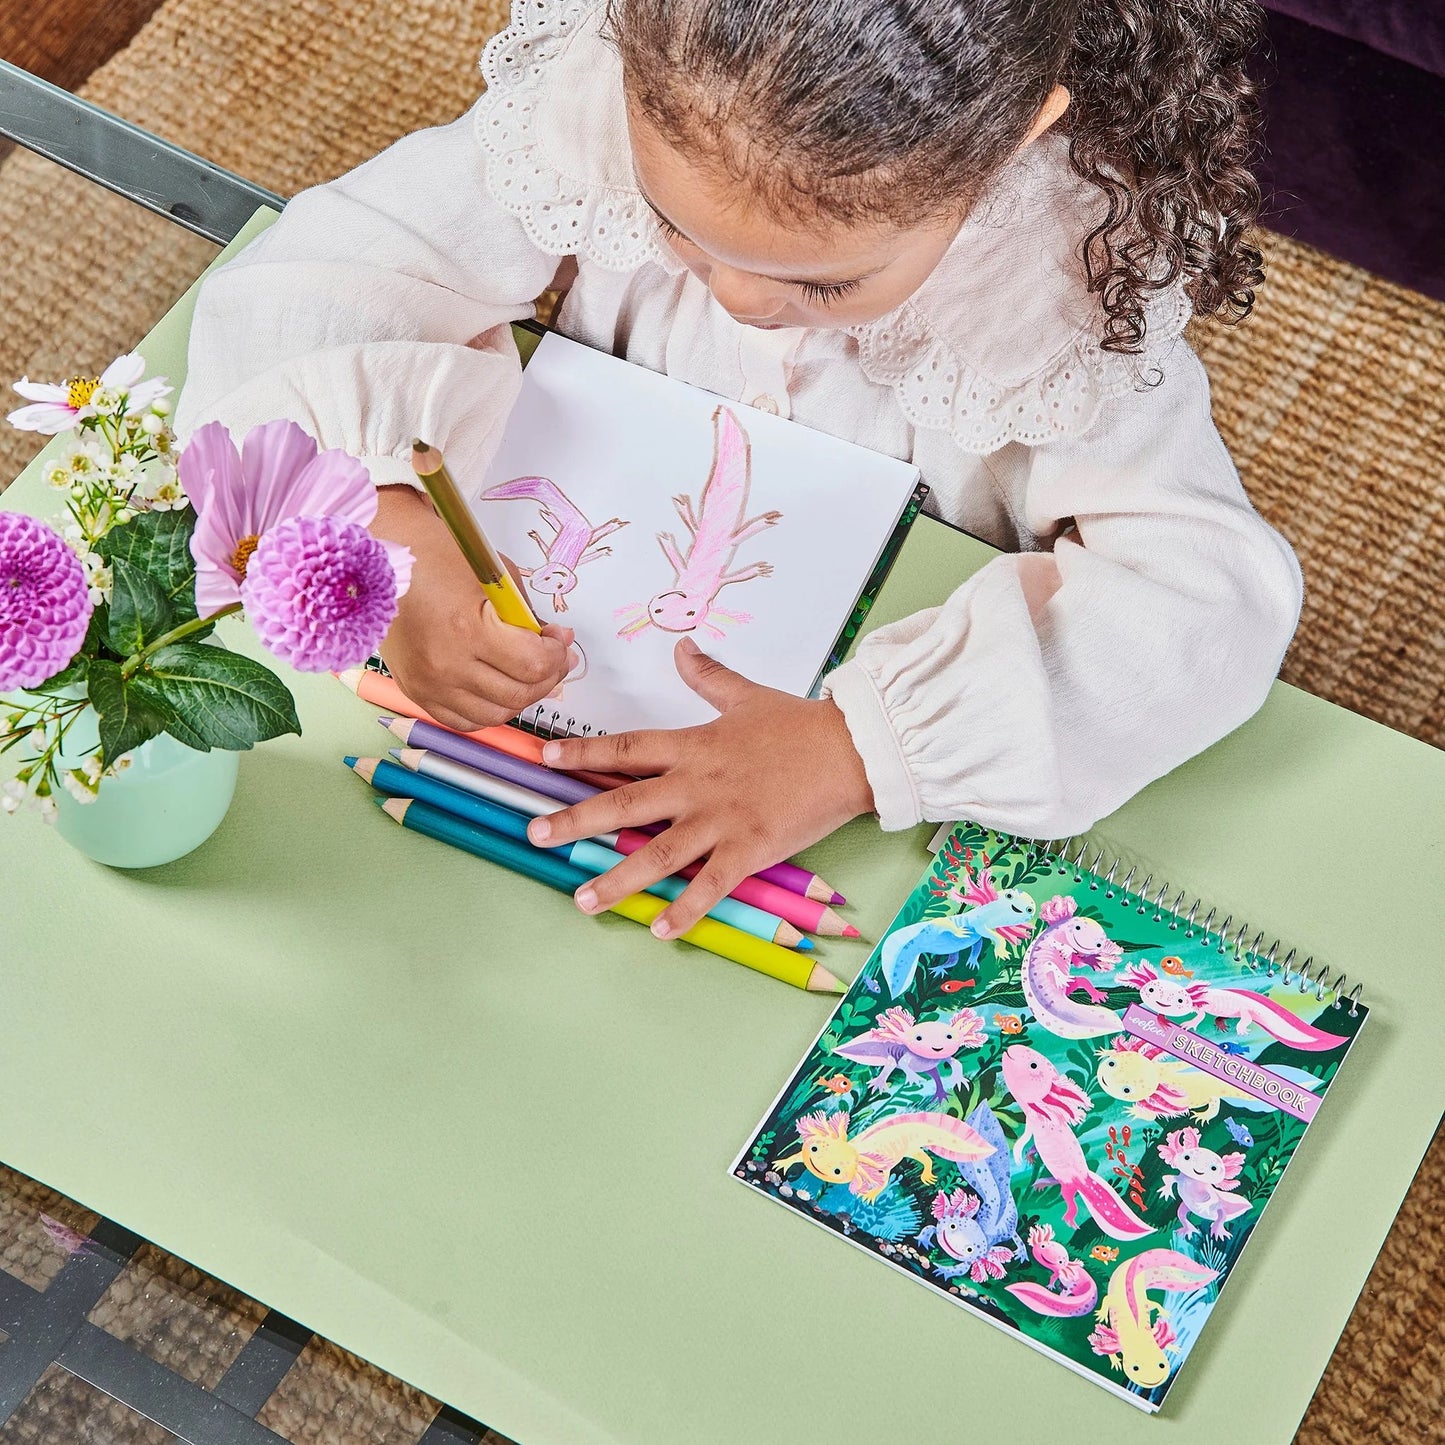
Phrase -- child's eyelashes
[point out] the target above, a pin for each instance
(820, 293)
(824, 294)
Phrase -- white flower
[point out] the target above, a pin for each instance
(46, 808)
(93, 769)
(83, 462)
(161, 406)
(61, 406)
(126, 467)
(167, 497)
(107, 400)
(151, 423)
(57, 475)
(77, 786)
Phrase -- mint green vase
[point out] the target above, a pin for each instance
(163, 805)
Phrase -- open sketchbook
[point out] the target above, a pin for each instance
(1060, 1102)
(642, 510)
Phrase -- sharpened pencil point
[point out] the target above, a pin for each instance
(409, 757)
(821, 981)
(350, 761)
(351, 677)
(394, 807)
(850, 932)
(364, 768)
(804, 945)
(399, 727)
(837, 898)
(386, 720)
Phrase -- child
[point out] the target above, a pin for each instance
(965, 233)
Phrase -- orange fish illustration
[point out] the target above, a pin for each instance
(838, 1084)
(954, 984)
(1009, 1023)
(1104, 1253)
(1175, 966)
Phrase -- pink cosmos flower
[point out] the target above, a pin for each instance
(239, 497)
(321, 592)
(60, 406)
(45, 602)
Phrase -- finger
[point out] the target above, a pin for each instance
(643, 754)
(715, 880)
(479, 684)
(473, 716)
(633, 806)
(710, 679)
(668, 852)
(529, 657)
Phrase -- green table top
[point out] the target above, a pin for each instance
(435, 1114)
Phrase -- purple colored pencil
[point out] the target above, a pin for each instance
(566, 789)
(547, 781)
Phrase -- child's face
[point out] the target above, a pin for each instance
(823, 273)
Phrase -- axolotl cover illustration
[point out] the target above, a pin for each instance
(1061, 1103)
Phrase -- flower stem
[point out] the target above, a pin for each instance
(132, 663)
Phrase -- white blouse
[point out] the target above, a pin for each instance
(1145, 607)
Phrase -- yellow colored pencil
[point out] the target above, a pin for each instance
(497, 582)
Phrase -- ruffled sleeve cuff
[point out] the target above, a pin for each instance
(895, 799)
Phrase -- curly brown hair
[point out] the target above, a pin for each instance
(903, 110)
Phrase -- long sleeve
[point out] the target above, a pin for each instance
(375, 310)
(1054, 684)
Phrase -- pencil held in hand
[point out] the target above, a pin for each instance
(497, 582)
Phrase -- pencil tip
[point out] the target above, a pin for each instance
(364, 768)
(409, 757)
(821, 981)
(350, 760)
(385, 720)
(394, 807)
(850, 932)
(350, 677)
(804, 945)
(417, 445)
(837, 898)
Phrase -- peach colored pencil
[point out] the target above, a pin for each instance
(381, 691)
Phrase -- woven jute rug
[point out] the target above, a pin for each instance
(1330, 398)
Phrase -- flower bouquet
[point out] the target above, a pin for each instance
(109, 612)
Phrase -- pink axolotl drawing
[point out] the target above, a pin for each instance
(717, 528)
(574, 539)
(1205, 1183)
(1053, 1106)
(1071, 1290)
(917, 1046)
(1132, 1330)
(1204, 1000)
(1048, 976)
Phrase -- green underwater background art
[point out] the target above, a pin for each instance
(1063, 1103)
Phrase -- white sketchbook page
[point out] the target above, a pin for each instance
(620, 442)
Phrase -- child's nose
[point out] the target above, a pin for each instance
(745, 296)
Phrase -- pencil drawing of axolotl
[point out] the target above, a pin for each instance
(717, 528)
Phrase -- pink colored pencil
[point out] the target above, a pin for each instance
(802, 912)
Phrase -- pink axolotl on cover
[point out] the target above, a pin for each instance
(1204, 1000)
(1071, 1289)
(1205, 1183)
(1049, 979)
(1053, 1106)
(574, 538)
(1132, 1330)
(717, 528)
(917, 1046)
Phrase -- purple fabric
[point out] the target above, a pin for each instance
(1408, 30)
(1354, 163)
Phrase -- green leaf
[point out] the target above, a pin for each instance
(140, 611)
(177, 726)
(127, 717)
(229, 700)
(159, 543)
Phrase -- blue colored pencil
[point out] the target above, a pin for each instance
(589, 857)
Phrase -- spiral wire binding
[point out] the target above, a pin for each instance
(1071, 855)
(536, 719)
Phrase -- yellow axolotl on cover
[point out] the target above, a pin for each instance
(866, 1163)
(1132, 1330)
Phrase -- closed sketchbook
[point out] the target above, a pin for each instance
(1063, 1097)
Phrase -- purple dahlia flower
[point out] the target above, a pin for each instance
(45, 602)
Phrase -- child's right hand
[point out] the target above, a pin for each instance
(447, 648)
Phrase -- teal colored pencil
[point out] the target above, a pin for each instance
(587, 857)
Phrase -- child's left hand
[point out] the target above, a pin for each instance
(770, 776)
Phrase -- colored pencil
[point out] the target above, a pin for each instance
(781, 963)
(488, 568)
(591, 857)
(804, 913)
(381, 691)
(554, 784)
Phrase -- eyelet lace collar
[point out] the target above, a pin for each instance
(999, 345)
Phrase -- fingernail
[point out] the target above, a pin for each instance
(688, 645)
(586, 899)
(661, 928)
(539, 830)
(551, 752)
